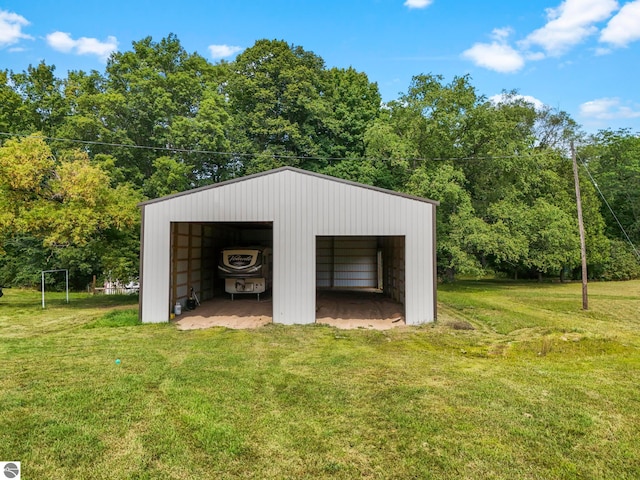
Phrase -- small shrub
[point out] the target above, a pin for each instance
(460, 325)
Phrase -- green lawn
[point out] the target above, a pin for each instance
(514, 381)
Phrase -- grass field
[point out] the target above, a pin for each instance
(514, 381)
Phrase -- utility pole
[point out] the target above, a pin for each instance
(583, 248)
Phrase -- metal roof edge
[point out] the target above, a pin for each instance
(295, 170)
(364, 185)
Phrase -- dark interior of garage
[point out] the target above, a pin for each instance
(359, 277)
(195, 252)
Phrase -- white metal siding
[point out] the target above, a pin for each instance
(347, 262)
(356, 262)
(301, 207)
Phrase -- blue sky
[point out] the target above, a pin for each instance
(580, 56)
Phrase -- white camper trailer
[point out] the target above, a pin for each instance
(246, 269)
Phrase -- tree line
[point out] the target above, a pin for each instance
(78, 153)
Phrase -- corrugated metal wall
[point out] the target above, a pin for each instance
(186, 265)
(347, 262)
(302, 206)
(209, 262)
(193, 261)
(324, 262)
(393, 262)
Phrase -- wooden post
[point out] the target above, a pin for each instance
(583, 248)
(93, 285)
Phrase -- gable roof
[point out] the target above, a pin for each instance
(295, 170)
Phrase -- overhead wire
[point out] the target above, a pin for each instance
(330, 159)
(123, 145)
(595, 184)
(275, 155)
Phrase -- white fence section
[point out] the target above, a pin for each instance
(116, 288)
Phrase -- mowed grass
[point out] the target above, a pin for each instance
(513, 381)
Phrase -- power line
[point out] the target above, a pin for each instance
(595, 184)
(124, 145)
(278, 156)
(330, 159)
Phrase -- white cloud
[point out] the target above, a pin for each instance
(418, 3)
(609, 109)
(63, 42)
(602, 51)
(497, 55)
(501, 34)
(534, 56)
(624, 27)
(11, 28)
(92, 46)
(223, 51)
(509, 98)
(569, 24)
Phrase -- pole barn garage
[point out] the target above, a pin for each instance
(323, 234)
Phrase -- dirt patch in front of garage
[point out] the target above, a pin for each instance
(242, 312)
(358, 309)
(340, 309)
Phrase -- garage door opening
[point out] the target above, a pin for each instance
(360, 281)
(196, 251)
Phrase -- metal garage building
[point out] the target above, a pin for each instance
(325, 233)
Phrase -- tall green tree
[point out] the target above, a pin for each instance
(206, 134)
(613, 158)
(461, 234)
(438, 115)
(156, 89)
(508, 193)
(160, 119)
(275, 93)
(43, 106)
(96, 115)
(354, 104)
(425, 133)
(67, 204)
(12, 118)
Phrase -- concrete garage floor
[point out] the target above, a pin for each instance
(341, 309)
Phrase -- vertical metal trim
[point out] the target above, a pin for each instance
(173, 265)
(435, 263)
(332, 269)
(141, 265)
(190, 259)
